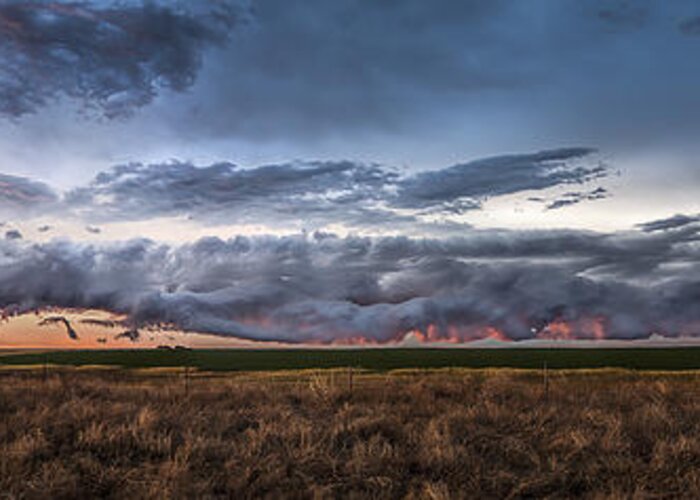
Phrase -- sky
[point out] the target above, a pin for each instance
(348, 172)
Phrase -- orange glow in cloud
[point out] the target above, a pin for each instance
(588, 328)
(101, 330)
(24, 332)
(454, 335)
(556, 330)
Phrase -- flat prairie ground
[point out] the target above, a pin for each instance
(114, 433)
(376, 359)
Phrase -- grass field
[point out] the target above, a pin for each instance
(686, 358)
(84, 433)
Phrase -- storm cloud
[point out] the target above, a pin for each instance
(70, 331)
(674, 222)
(22, 196)
(497, 176)
(417, 94)
(326, 69)
(320, 193)
(112, 57)
(323, 288)
(224, 192)
(575, 197)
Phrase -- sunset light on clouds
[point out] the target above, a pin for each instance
(236, 173)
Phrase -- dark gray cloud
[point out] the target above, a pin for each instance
(444, 74)
(22, 196)
(132, 335)
(317, 67)
(496, 176)
(322, 288)
(675, 222)
(575, 197)
(224, 191)
(319, 193)
(107, 323)
(13, 234)
(70, 331)
(302, 194)
(357, 66)
(114, 57)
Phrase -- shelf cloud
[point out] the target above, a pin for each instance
(322, 288)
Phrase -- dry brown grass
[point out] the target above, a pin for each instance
(449, 434)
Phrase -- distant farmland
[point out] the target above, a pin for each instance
(686, 358)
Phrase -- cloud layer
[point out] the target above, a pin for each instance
(440, 78)
(112, 57)
(306, 195)
(500, 175)
(322, 288)
(21, 196)
(354, 66)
